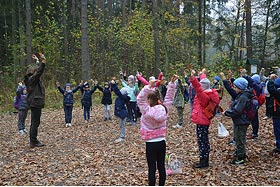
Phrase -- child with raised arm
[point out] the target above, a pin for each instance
(22, 107)
(87, 99)
(121, 108)
(106, 99)
(68, 101)
(153, 127)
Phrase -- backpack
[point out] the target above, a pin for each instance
(211, 108)
(260, 98)
(251, 108)
(16, 102)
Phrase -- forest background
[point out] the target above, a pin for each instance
(84, 39)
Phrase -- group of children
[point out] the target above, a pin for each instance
(153, 102)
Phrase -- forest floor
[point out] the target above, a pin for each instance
(86, 154)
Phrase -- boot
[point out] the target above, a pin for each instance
(203, 163)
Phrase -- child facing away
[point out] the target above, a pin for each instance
(154, 125)
(179, 103)
(21, 95)
(240, 120)
(87, 99)
(106, 99)
(203, 97)
(68, 101)
(121, 108)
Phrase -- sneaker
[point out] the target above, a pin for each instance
(238, 162)
(276, 150)
(86, 121)
(69, 125)
(21, 132)
(66, 124)
(119, 140)
(266, 117)
(110, 118)
(177, 126)
(232, 142)
(105, 119)
(133, 123)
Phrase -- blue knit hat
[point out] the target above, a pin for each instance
(277, 82)
(241, 83)
(256, 78)
(217, 78)
(67, 84)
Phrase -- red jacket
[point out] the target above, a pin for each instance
(201, 100)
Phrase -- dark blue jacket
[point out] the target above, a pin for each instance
(275, 94)
(238, 106)
(107, 95)
(192, 92)
(86, 96)
(68, 99)
(120, 103)
(257, 87)
(22, 98)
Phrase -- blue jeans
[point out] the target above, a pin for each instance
(276, 128)
(68, 113)
(22, 114)
(86, 112)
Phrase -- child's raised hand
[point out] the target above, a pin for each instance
(57, 83)
(174, 78)
(113, 82)
(223, 75)
(193, 72)
(42, 56)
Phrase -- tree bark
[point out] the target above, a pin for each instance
(200, 33)
(28, 32)
(85, 43)
(248, 29)
(156, 34)
(265, 32)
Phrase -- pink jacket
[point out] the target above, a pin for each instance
(145, 82)
(201, 101)
(153, 119)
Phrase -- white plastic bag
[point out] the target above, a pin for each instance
(222, 131)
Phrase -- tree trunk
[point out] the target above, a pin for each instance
(156, 34)
(200, 33)
(166, 67)
(248, 29)
(66, 42)
(232, 47)
(265, 32)
(241, 43)
(110, 8)
(123, 12)
(85, 43)
(204, 32)
(21, 34)
(28, 32)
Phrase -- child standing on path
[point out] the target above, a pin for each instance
(153, 127)
(87, 99)
(68, 101)
(203, 96)
(120, 108)
(22, 108)
(106, 99)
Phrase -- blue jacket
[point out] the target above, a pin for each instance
(107, 95)
(120, 103)
(22, 102)
(86, 96)
(68, 99)
(275, 94)
(237, 107)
